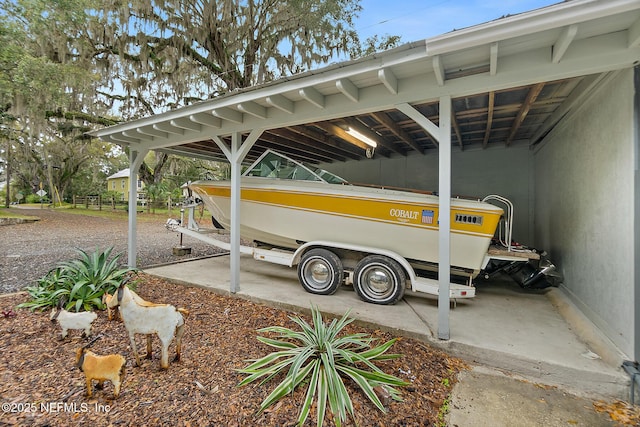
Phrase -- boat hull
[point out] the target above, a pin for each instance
(286, 215)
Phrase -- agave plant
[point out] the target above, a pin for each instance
(97, 268)
(49, 290)
(322, 358)
(82, 282)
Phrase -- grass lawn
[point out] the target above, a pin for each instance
(106, 212)
(13, 213)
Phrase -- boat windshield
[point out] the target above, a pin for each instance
(274, 165)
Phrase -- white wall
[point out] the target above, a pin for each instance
(505, 171)
(584, 206)
(573, 196)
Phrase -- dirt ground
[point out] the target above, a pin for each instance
(41, 386)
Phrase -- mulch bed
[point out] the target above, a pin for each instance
(40, 385)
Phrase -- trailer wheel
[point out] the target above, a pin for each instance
(378, 279)
(320, 272)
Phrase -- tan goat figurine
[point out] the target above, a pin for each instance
(101, 368)
(112, 313)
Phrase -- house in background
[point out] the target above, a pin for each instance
(119, 182)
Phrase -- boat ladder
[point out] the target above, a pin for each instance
(508, 220)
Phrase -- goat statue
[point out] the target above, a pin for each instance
(70, 320)
(112, 313)
(101, 368)
(144, 317)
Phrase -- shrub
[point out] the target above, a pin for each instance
(321, 358)
(81, 282)
(34, 198)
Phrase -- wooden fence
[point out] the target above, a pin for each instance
(111, 203)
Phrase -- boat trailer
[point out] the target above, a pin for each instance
(189, 226)
(523, 265)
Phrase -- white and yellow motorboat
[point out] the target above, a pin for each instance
(374, 238)
(285, 204)
(378, 236)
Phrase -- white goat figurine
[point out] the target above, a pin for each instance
(143, 317)
(68, 320)
(101, 368)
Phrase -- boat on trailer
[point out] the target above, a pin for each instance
(380, 240)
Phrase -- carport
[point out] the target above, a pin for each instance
(501, 100)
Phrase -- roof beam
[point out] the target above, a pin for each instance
(438, 69)
(228, 114)
(169, 128)
(292, 134)
(366, 131)
(149, 131)
(579, 96)
(490, 107)
(312, 96)
(281, 103)
(456, 128)
(385, 120)
(562, 44)
(199, 153)
(256, 110)
(133, 134)
(206, 120)
(348, 89)
(310, 152)
(336, 130)
(524, 110)
(422, 121)
(187, 124)
(493, 59)
(318, 136)
(123, 138)
(389, 80)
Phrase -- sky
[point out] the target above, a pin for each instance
(420, 19)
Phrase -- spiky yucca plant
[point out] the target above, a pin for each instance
(321, 357)
(81, 282)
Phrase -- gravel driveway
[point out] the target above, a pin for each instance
(28, 251)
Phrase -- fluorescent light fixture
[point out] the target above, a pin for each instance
(354, 133)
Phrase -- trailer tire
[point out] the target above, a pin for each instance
(320, 272)
(379, 279)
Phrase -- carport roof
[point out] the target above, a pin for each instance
(511, 81)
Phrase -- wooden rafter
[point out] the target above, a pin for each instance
(384, 119)
(327, 147)
(304, 151)
(524, 110)
(338, 132)
(487, 132)
(353, 123)
(322, 139)
(456, 128)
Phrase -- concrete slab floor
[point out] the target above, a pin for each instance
(485, 399)
(503, 327)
